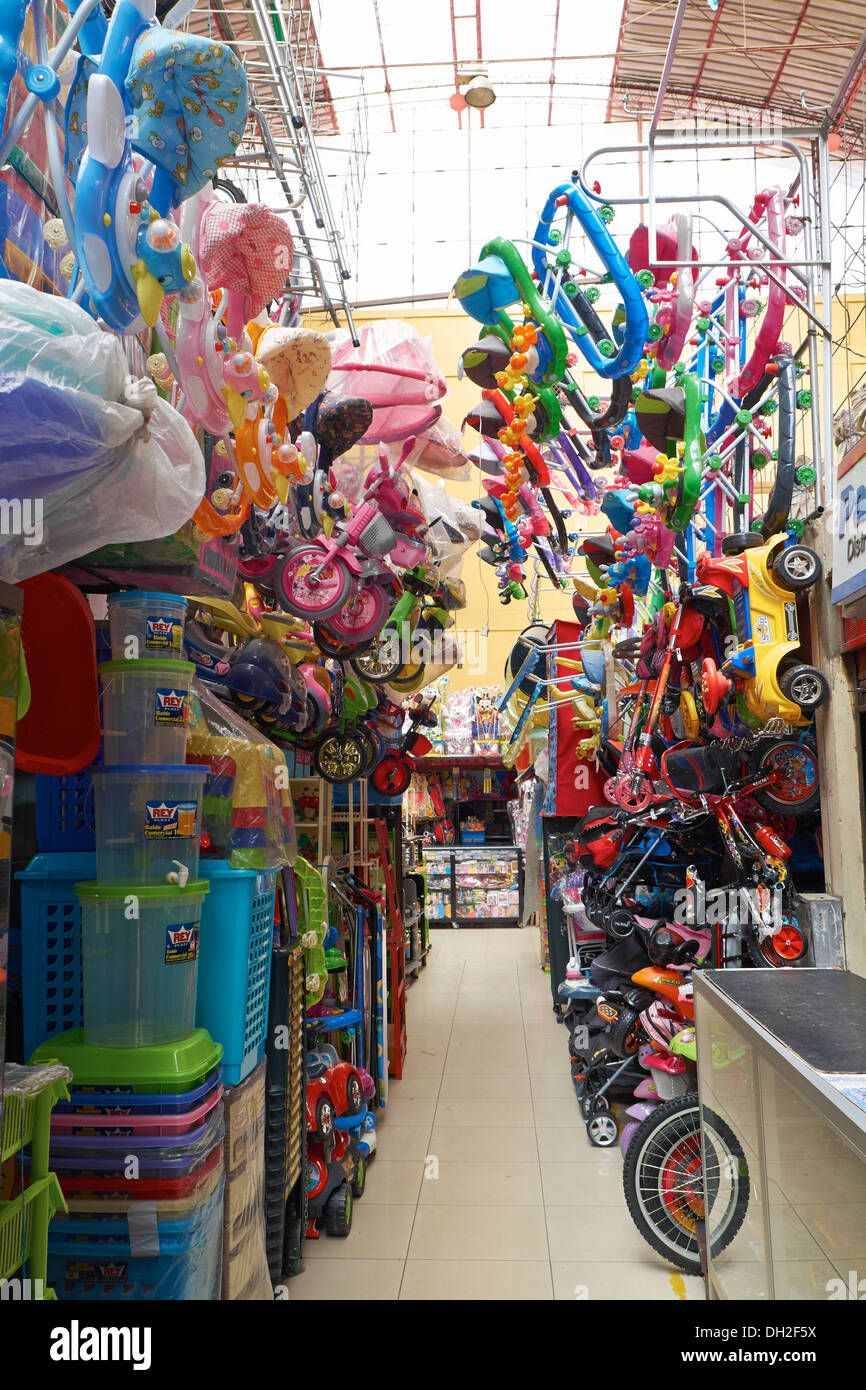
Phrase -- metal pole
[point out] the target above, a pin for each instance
(657, 110)
(827, 311)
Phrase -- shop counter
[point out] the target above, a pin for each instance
(782, 1061)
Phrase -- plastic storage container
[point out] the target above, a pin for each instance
(235, 963)
(143, 1124)
(180, 1262)
(139, 962)
(175, 1071)
(146, 625)
(148, 821)
(118, 1102)
(144, 711)
(168, 1154)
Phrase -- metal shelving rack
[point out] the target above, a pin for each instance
(306, 134)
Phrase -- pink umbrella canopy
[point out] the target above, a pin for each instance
(395, 370)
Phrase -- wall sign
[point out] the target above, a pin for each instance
(849, 530)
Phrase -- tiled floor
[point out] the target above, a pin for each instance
(484, 1185)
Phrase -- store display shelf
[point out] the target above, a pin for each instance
(440, 763)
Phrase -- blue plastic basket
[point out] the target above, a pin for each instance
(51, 944)
(472, 837)
(64, 814)
(234, 963)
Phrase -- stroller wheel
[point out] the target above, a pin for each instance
(593, 1105)
(620, 924)
(602, 1130)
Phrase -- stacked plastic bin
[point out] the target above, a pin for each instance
(138, 1149)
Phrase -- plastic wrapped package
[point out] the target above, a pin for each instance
(439, 450)
(149, 1250)
(247, 809)
(453, 526)
(105, 458)
(395, 370)
(245, 1263)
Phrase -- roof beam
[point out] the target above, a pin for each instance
(787, 53)
(713, 27)
(553, 63)
(384, 65)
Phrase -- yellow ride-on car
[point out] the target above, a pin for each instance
(764, 669)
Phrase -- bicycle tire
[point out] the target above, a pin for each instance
(762, 754)
(671, 1235)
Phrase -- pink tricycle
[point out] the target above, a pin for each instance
(346, 571)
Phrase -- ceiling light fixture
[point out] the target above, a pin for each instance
(477, 91)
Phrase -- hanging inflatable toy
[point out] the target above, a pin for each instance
(200, 334)
(178, 102)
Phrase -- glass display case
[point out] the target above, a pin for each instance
(782, 1064)
(482, 886)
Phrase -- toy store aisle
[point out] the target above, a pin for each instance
(484, 1185)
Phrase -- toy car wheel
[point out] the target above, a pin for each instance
(354, 1096)
(338, 1211)
(324, 1120)
(359, 1180)
(738, 541)
(602, 1130)
(804, 685)
(797, 567)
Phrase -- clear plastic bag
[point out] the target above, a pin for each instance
(250, 775)
(87, 453)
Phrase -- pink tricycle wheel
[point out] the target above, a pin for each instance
(310, 585)
(364, 615)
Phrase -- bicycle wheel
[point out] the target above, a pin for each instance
(795, 761)
(663, 1181)
(310, 585)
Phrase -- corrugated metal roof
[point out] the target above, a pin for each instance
(784, 56)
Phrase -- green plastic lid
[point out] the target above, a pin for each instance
(198, 886)
(147, 663)
(164, 1069)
